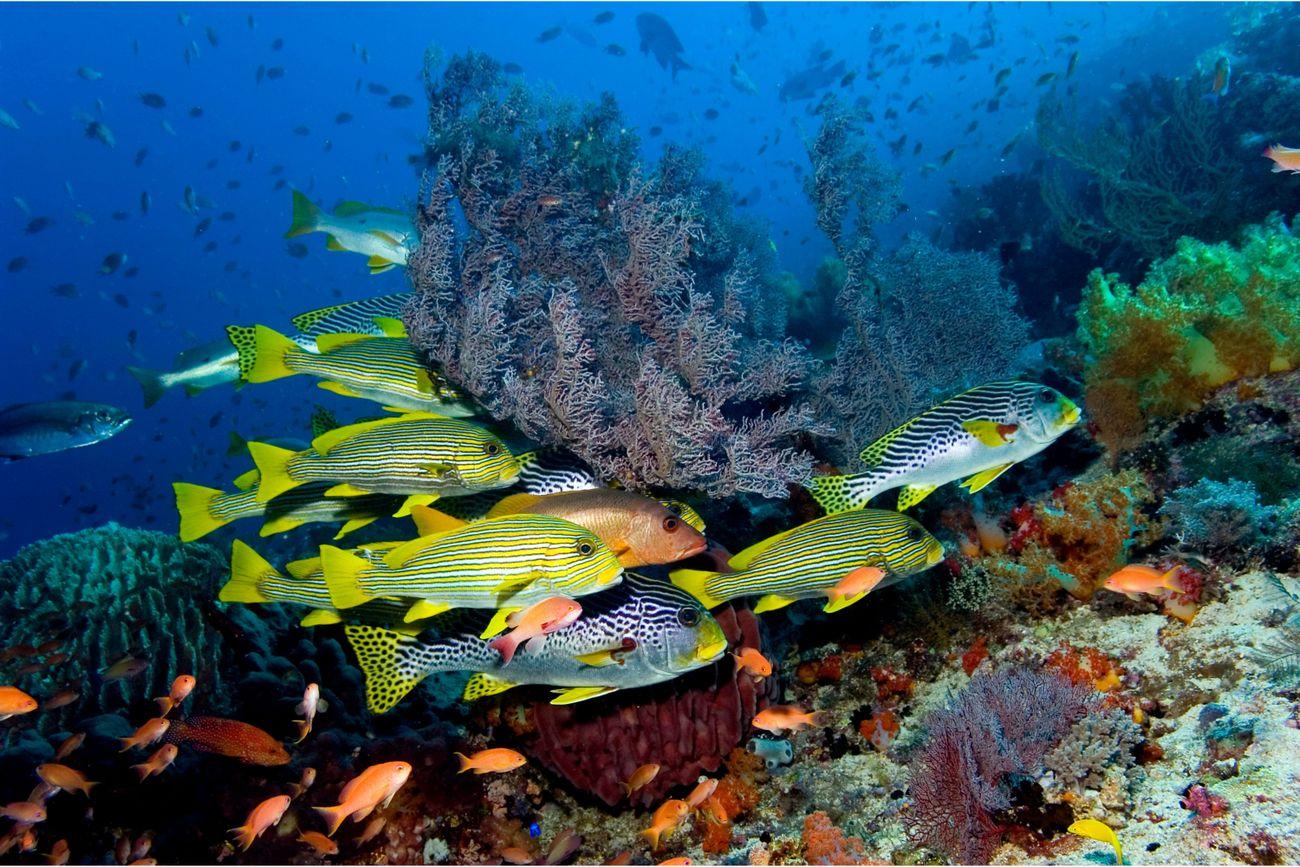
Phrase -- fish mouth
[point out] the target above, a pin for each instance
(1070, 414)
(711, 651)
(935, 556)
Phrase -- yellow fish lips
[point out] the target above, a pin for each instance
(1070, 414)
(934, 555)
(710, 644)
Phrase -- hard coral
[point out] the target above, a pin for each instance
(995, 734)
(1209, 314)
(687, 726)
(625, 316)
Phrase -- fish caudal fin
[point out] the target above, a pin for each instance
(333, 816)
(306, 216)
(465, 762)
(694, 582)
(273, 476)
(150, 383)
(837, 494)
(194, 504)
(343, 576)
(247, 569)
(271, 351)
(377, 655)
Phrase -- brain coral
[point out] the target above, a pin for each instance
(107, 592)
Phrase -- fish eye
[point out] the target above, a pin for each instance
(492, 449)
(670, 524)
(1047, 396)
(585, 549)
(688, 616)
(915, 533)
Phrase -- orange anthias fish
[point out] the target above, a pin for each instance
(749, 659)
(669, 815)
(149, 733)
(65, 778)
(785, 717)
(1286, 159)
(62, 698)
(318, 841)
(701, 793)
(533, 624)
(13, 701)
(181, 688)
(124, 669)
(1136, 579)
(853, 587)
(679, 861)
(493, 761)
(311, 702)
(265, 815)
(641, 777)
(228, 737)
(60, 854)
(24, 811)
(373, 787)
(69, 745)
(158, 762)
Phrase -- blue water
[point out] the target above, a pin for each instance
(183, 295)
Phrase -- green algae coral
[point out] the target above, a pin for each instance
(108, 592)
(1207, 315)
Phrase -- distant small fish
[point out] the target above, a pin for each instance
(277, 43)
(69, 745)
(549, 34)
(100, 132)
(124, 669)
(274, 73)
(1074, 61)
(149, 733)
(140, 156)
(196, 112)
(17, 264)
(640, 778)
(400, 100)
(1285, 159)
(779, 718)
(512, 69)
(376, 88)
(7, 120)
(153, 100)
(1222, 80)
(111, 263)
(342, 117)
(615, 50)
(1045, 78)
(64, 290)
(319, 842)
(603, 17)
(302, 129)
(159, 761)
(89, 74)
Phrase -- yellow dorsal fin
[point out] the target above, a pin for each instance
(328, 440)
(483, 685)
(745, 558)
(513, 504)
(303, 321)
(581, 693)
(910, 495)
(874, 453)
(352, 208)
(430, 521)
(983, 479)
(330, 342)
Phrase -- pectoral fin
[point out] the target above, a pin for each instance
(332, 243)
(337, 388)
(425, 608)
(991, 433)
(581, 693)
(322, 617)
(771, 602)
(981, 480)
(598, 658)
(378, 264)
(913, 494)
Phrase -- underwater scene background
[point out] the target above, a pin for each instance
(650, 433)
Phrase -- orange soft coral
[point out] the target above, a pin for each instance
(823, 843)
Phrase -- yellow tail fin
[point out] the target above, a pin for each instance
(306, 216)
(694, 582)
(343, 576)
(272, 351)
(376, 650)
(247, 569)
(272, 469)
(194, 503)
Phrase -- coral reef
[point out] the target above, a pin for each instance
(997, 733)
(109, 593)
(624, 315)
(1207, 315)
(688, 726)
(1224, 520)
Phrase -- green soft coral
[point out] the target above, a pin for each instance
(1207, 315)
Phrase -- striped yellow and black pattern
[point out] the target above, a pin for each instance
(416, 453)
(203, 510)
(975, 436)
(386, 370)
(498, 563)
(367, 316)
(812, 558)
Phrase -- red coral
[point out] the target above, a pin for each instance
(686, 726)
(978, 652)
(1204, 803)
(881, 729)
(823, 843)
(1027, 526)
(891, 686)
(828, 670)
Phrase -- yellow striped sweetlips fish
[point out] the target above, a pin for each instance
(841, 557)
(379, 315)
(421, 455)
(203, 510)
(640, 531)
(640, 633)
(976, 436)
(504, 563)
(386, 370)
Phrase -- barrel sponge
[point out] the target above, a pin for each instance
(107, 592)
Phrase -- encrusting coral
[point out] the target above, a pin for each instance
(110, 593)
(1207, 315)
(620, 313)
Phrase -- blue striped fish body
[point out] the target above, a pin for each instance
(975, 436)
(203, 510)
(386, 370)
(379, 315)
(500, 563)
(811, 559)
(415, 453)
(640, 633)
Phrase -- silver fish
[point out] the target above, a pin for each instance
(29, 429)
